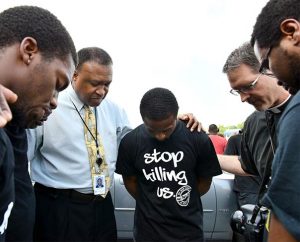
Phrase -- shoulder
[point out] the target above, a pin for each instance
(134, 134)
(234, 138)
(291, 116)
(200, 138)
(255, 117)
(294, 105)
(183, 131)
(132, 139)
(256, 121)
(110, 107)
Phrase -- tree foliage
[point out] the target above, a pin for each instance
(222, 128)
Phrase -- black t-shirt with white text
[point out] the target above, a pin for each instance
(168, 205)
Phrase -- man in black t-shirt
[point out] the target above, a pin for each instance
(166, 168)
(36, 63)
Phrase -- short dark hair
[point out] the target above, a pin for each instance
(158, 104)
(94, 54)
(242, 55)
(213, 129)
(266, 30)
(52, 38)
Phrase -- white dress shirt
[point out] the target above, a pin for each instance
(57, 150)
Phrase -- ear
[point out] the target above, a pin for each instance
(291, 29)
(28, 49)
(75, 75)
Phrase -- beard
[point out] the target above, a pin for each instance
(295, 69)
(293, 82)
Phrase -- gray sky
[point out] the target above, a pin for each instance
(177, 44)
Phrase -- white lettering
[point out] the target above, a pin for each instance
(164, 192)
(165, 157)
(161, 174)
(5, 218)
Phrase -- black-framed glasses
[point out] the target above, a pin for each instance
(247, 88)
(265, 61)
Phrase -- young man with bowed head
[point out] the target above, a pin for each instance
(276, 39)
(37, 61)
(166, 169)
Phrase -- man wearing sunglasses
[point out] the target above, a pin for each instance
(276, 38)
(259, 89)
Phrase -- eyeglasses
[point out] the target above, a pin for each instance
(265, 61)
(245, 89)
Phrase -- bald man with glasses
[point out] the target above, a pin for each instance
(260, 89)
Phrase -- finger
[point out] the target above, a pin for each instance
(192, 124)
(5, 113)
(10, 96)
(199, 128)
(189, 117)
(182, 117)
(3, 121)
(196, 126)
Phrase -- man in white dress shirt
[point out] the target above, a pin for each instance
(67, 209)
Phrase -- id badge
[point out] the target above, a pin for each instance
(99, 184)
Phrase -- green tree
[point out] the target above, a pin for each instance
(222, 127)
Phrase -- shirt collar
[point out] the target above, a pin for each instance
(74, 98)
(279, 108)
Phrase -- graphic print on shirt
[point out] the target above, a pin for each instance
(3, 226)
(159, 173)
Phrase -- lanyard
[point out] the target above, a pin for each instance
(99, 159)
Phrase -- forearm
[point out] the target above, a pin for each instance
(231, 164)
(278, 232)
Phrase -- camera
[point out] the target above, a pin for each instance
(251, 227)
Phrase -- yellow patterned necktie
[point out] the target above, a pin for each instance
(95, 149)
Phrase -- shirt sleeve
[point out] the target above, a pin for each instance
(283, 195)
(246, 158)
(125, 160)
(35, 140)
(208, 164)
(232, 147)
